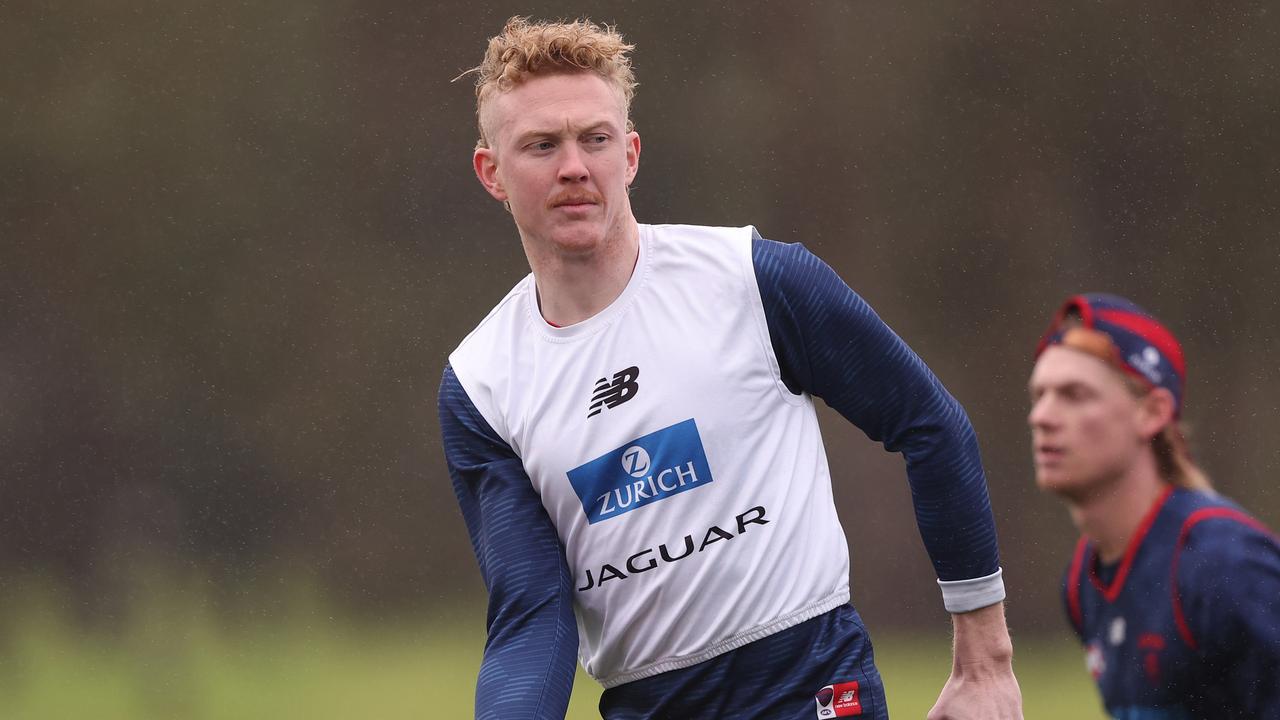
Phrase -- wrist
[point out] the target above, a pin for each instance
(982, 638)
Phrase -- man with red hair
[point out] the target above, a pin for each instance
(632, 438)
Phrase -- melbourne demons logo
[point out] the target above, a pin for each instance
(648, 469)
(612, 394)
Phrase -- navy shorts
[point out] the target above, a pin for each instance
(784, 676)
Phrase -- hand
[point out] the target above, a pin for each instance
(982, 685)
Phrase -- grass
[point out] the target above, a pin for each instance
(176, 660)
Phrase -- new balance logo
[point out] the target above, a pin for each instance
(612, 394)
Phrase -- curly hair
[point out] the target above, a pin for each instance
(525, 49)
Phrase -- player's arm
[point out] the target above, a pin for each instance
(531, 653)
(1228, 580)
(831, 344)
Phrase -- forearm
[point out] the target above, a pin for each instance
(529, 663)
(531, 652)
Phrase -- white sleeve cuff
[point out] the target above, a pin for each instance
(964, 595)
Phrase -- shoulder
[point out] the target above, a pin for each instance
(791, 270)
(1214, 522)
(679, 233)
(771, 262)
(1226, 568)
(699, 245)
(701, 263)
(479, 359)
(510, 312)
(1217, 534)
(481, 365)
(780, 260)
(1221, 552)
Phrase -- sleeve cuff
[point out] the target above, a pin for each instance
(964, 595)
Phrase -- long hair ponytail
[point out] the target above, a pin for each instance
(1173, 459)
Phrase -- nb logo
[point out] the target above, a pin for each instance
(612, 394)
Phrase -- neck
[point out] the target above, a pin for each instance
(1110, 515)
(575, 287)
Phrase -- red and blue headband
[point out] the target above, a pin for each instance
(1123, 334)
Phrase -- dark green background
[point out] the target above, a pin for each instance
(238, 240)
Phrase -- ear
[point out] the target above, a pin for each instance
(485, 163)
(633, 155)
(1155, 411)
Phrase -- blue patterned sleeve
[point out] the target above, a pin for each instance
(831, 344)
(531, 653)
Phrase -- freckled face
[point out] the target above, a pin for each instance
(1086, 425)
(561, 156)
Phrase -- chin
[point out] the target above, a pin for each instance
(1055, 482)
(1068, 488)
(579, 241)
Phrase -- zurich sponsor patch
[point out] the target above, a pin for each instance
(648, 469)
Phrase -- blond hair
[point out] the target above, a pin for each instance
(1173, 459)
(1172, 452)
(525, 49)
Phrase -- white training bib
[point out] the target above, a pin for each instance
(689, 487)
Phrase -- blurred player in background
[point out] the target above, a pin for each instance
(1173, 590)
(632, 438)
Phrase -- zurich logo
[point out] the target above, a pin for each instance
(650, 468)
(635, 461)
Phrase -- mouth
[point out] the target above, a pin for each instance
(1048, 454)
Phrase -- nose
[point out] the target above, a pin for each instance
(1041, 415)
(573, 167)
